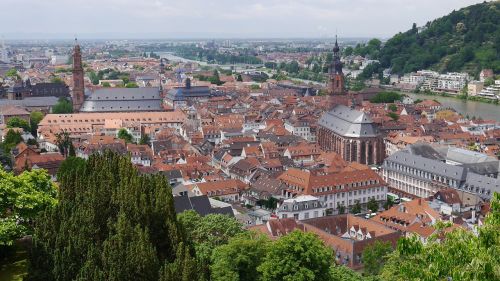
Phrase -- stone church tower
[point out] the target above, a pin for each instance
(336, 83)
(78, 80)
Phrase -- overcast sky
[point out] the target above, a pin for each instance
(217, 18)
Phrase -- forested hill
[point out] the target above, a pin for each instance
(465, 40)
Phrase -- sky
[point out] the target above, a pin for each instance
(38, 19)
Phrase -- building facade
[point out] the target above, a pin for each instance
(301, 208)
(423, 177)
(351, 134)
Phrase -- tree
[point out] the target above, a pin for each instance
(456, 255)
(11, 139)
(340, 208)
(393, 115)
(208, 232)
(297, 256)
(23, 198)
(69, 164)
(57, 80)
(106, 84)
(16, 122)
(125, 135)
(393, 107)
(238, 260)
(239, 78)
(145, 139)
(12, 73)
(374, 256)
(387, 97)
(348, 51)
(293, 67)
(111, 223)
(389, 203)
(63, 106)
(64, 143)
(343, 273)
(131, 85)
(372, 205)
(35, 118)
(356, 209)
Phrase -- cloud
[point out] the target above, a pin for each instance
(277, 18)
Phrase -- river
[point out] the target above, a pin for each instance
(466, 107)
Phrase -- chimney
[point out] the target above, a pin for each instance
(419, 201)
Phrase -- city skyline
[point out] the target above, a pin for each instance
(219, 19)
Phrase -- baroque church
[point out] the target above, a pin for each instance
(349, 132)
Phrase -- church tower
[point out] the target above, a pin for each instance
(336, 85)
(78, 82)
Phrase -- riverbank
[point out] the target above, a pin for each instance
(463, 106)
(460, 97)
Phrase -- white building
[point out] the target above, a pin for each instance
(492, 91)
(300, 128)
(59, 59)
(301, 208)
(452, 81)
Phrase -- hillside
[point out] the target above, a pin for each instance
(465, 40)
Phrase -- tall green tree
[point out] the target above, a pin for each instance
(35, 118)
(374, 257)
(356, 208)
(111, 223)
(372, 205)
(208, 232)
(238, 260)
(297, 256)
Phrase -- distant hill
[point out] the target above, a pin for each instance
(465, 40)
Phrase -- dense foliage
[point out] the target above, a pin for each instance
(212, 55)
(386, 97)
(16, 122)
(22, 198)
(125, 135)
(207, 233)
(238, 260)
(375, 256)
(63, 106)
(111, 223)
(467, 39)
(10, 140)
(460, 256)
(297, 256)
(108, 74)
(35, 118)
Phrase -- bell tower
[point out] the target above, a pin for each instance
(78, 80)
(336, 85)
